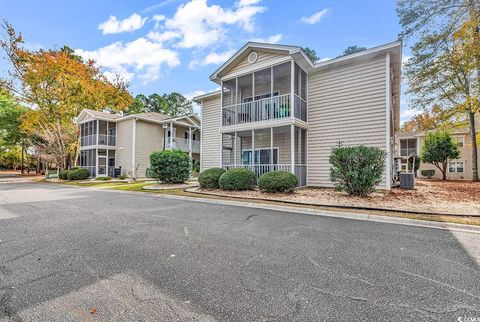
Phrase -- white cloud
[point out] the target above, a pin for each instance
(244, 3)
(316, 17)
(407, 113)
(140, 58)
(212, 59)
(196, 108)
(201, 25)
(159, 5)
(163, 36)
(274, 39)
(115, 26)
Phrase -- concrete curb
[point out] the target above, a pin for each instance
(314, 212)
(341, 207)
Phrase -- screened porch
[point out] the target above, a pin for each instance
(275, 92)
(268, 149)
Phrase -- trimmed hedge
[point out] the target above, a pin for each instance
(357, 169)
(209, 179)
(427, 173)
(78, 174)
(277, 181)
(237, 179)
(170, 166)
(64, 174)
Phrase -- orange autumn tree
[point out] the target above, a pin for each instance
(57, 85)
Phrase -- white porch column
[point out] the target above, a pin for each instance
(171, 135)
(98, 129)
(271, 149)
(292, 87)
(252, 159)
(235, 150)
(134, 135)
(292, 147)
(190, 142)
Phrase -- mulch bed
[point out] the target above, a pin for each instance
(429, 196)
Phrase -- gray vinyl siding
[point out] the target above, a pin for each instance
(124, 146)
(210, 140)
(149, 138)
(263, 58)
(348, 105)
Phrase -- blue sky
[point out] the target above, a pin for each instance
(174, 45)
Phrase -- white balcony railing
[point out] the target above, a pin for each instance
(265, 109)
(183, 144)
(103, 139)
(260, 169)
(270, 108)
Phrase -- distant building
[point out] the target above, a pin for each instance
(109, 141)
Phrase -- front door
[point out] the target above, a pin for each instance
(102, 166)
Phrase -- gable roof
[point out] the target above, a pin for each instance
(155, 117)
(249, 47)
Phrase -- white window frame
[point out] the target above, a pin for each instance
(460, 138)
(456, 166)
(259, 149)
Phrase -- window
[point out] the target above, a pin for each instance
(460, 140)
(259, 97)
(456, 167)
(186, 136)
(262, 156)
(408, 147)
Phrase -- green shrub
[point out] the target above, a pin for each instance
(209, 179)
(63, 174)
(122, 177)
(427, 173)
(277, 181)
(78, 174)
(196, 165)
(357, 170)
(237, 179)
(103, 178)
(170, 166)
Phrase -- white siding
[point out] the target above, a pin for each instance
(124, 146)
(346, 104)
(210, 133)
(263, 58)
(149, 138)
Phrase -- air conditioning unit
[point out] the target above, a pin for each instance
(407, 180)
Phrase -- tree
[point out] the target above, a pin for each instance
(177, 105)
(444, 69)
(311, 54)
(421, 122)
(139, 105)
(11, 157)
(439, 149)
(11, 114)
(173, 104)
(57, 85)
(352, 50)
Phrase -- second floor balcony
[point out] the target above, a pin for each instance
(98, 132)
(183, 144)
(273, 93)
